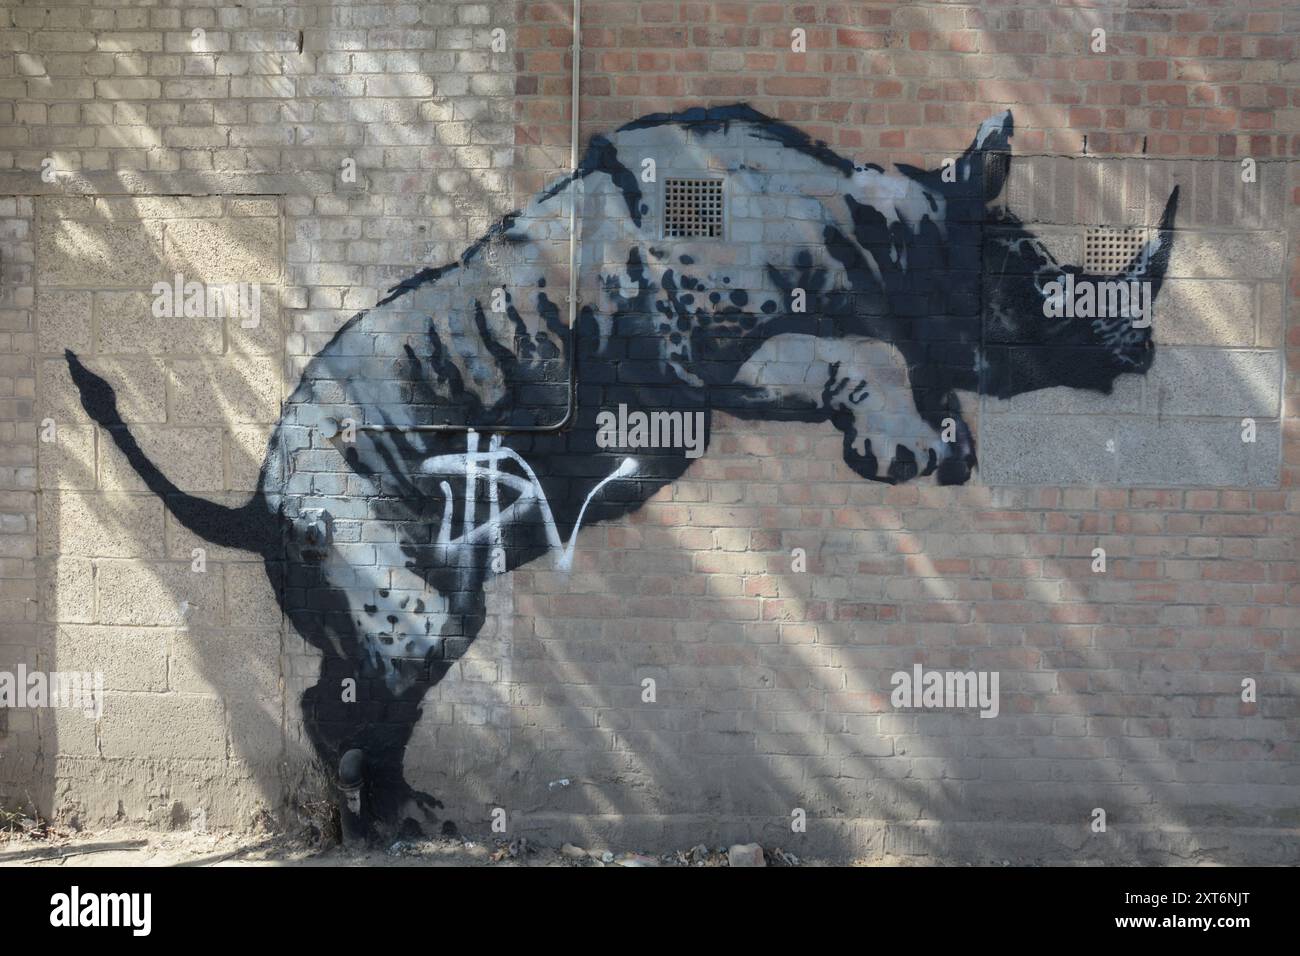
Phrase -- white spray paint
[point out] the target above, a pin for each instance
(531, 495)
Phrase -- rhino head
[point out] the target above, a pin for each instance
(1031, 335)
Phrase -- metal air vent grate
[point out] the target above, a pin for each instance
(693, 209)
(1107, 251)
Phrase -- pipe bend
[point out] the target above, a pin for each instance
(570, 410)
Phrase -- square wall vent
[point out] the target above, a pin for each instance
(1108, 251)
(693, 209)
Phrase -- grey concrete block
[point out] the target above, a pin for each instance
(181, 542)
(164, 726)
(68, 589)
(69, 460)
(250, 597)
(167, 594)
(266, 336)
(1271, 178)
(138, 383)
(190, 457)
(1204, 312)
(1245, 255)
(1064, 449)
(126, 323)
(133, 659)
(257, 735)
(1065, 243)
(1271, 314)
(233, 664)
(89, 524)
(1181, 453)
(74, 732)
(63, 320)
(1215, 382)
(245, 453)
(1125, 398)
(244, 391)
(88, 254)
(231, 250)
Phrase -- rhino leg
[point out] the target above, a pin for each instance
(863, 386)
(941, 410)
(388, 635)
(886, 416)
(379, 723)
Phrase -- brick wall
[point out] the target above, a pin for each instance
(1119, 690)
(320, 151)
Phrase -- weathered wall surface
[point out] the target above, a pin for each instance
(221, 157)
(768, 590)
(1219, 322)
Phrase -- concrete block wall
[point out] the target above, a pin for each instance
(1218, 324)
(319, 151)
(1119, 690)
(191, 651)
(21, 640)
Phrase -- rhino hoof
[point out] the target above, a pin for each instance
(904, 466)
(953, 471)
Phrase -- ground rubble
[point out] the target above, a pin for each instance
(31, 842)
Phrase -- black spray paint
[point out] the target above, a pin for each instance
(913, 290)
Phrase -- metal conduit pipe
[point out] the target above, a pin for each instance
(352, 766)
(575, 184)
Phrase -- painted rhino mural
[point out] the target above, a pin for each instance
(823, 291)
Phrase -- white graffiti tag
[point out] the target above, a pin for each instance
(475, 466)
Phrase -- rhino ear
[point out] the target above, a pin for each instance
(995, 133)
(988, 159)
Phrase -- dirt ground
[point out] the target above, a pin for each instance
(124, 846)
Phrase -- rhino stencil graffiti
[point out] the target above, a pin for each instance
(756, 272)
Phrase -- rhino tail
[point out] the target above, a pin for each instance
(249, 527)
